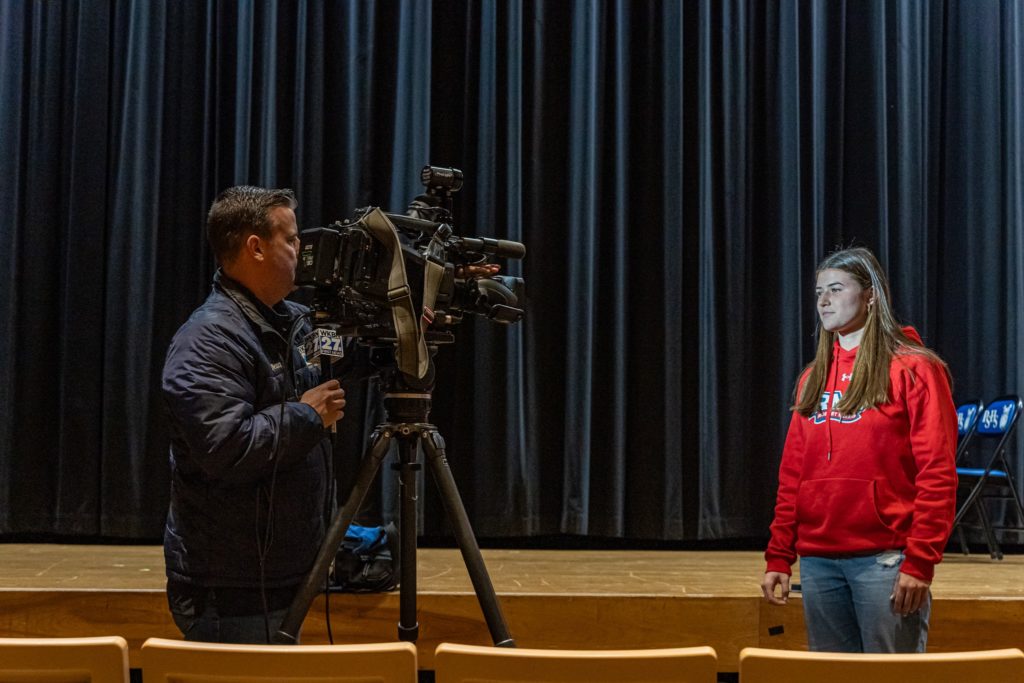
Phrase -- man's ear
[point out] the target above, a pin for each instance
(254, 247)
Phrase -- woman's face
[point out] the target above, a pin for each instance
(842, 302)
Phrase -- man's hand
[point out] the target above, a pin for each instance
(328, 400)
(908, 594)
(768, 584)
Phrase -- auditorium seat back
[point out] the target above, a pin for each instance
(466, 663)
(175, 661)
(64, 660)
(759, 665)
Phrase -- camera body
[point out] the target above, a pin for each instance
(355, 270)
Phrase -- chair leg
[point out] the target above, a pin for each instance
(994, 551)
(1016, 499)
(963, 539)
(974, 494)
(1019, 510)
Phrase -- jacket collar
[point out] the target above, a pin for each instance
(275, 321)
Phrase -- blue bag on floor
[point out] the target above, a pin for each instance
(367, 560)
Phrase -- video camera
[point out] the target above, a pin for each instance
(406, 279)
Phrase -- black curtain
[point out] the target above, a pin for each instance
(676, 169)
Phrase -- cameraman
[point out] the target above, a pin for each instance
(249, 450)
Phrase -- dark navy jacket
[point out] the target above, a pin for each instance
(239, 455)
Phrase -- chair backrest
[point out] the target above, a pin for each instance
(996, 423)
(758, 665)
(174, 661)
(967, 418)
(465, 663)
(967, 414)
(999, 417)
(64, 660)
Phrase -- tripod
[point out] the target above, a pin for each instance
(406, 409)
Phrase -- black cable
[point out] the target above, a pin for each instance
(330, 500)
(327, 608)
(263, 548)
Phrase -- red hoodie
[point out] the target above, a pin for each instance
(881, 479)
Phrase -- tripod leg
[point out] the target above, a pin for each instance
(433, 445)
(313, 584)
(408, 626)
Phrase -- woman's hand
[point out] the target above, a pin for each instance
(908, 594)
(768, 584)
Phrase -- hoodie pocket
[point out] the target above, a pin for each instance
(843, 511)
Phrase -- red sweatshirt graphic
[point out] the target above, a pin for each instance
(881, 479)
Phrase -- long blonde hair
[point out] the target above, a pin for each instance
(883, 338)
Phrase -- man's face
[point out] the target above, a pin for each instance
(281, 252)
(842, 302)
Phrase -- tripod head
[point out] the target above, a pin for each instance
(407, 398)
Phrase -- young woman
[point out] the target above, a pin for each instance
(867, 485)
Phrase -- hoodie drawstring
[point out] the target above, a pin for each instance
(831, 401)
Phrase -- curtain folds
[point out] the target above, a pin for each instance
(675, 170)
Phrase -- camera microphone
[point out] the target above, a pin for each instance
(487, 245)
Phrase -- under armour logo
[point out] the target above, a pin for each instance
(847, 378)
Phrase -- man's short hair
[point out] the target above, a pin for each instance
(239, 212)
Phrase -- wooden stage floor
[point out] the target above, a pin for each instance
(551, 599)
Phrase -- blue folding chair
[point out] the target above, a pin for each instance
(987, 475)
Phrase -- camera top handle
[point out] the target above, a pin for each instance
(473, 245)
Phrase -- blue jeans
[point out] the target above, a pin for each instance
(847, 606)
